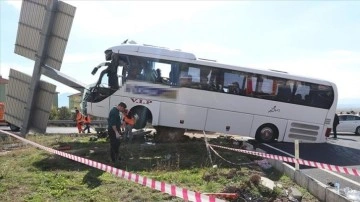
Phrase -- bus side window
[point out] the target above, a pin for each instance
(234, 88)
(174, 74)
(249, 88)
(185, 79)
(284, 93)
(265, 88)
(307, 100)
(134, 71)
(298, 99)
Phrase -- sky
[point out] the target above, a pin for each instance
(310, 38)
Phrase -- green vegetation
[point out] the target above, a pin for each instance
(31, 174)
(62, 113)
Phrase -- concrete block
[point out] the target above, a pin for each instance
(289, 171)
(301, 179)
(278, 165)
(317, 189)
(267, 183)
(332, 196)
(295, 193)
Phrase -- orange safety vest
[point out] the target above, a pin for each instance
(87, 119)
(79, 117)
(129, 120)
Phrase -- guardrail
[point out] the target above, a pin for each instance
(60, 122)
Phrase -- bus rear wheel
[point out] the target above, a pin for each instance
(169, 134)
(266, 133)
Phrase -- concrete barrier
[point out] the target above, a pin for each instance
(289, 171)
(316, 188)
(331, 196)
(301, 179)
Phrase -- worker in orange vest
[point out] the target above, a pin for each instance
(87, 122)
(128, 124)
(79, 117)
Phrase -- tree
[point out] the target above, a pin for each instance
(54, 114)
(64, 113)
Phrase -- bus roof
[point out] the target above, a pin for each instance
(155, 50)
(151, 51)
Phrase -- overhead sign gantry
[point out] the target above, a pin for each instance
(42, 36)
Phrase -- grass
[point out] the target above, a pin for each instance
(31, 174)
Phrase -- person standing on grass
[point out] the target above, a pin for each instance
(335, 124)
(128, 124)
(114, 123)
(79, 118)
(87, 122)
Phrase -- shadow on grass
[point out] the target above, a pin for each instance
(92, 178)
(140, 156)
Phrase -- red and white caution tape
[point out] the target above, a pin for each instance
(173, 190)
(339, 169)
(230, 196)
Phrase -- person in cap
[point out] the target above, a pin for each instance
(114, 123)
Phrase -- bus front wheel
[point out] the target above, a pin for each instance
(143, 115)
(266, 133)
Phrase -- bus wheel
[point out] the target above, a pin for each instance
(357, 131)
(143, 116)
(14, 128)
(169, 134)
(266, 133)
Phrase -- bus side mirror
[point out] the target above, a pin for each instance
(94, 70)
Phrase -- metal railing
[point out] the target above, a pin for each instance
(65, 122)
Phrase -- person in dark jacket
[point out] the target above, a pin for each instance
(114, 123)
(335, 123)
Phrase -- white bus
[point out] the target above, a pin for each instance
(174, 91)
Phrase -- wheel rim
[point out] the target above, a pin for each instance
(266, 133)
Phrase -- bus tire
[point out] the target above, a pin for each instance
(357, 131)
(14, 128)
(266, 133)
(144, 116)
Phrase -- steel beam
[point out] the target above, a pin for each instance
(51, 8)
(63, 78)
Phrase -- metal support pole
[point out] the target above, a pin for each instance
(41, 55)
(297, 154)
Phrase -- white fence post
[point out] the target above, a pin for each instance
(296, 154)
